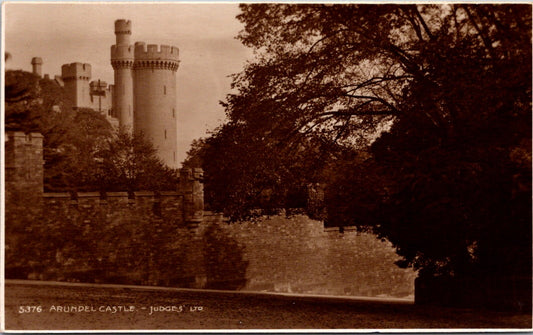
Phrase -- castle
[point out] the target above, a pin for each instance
(278, 254)
(143, 97)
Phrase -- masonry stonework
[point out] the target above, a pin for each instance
(155, 97)
(187, 247)
(23, 165)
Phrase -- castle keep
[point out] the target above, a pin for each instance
(143, 97)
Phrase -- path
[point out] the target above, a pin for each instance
(89, 306)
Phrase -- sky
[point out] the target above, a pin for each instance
(62, 33)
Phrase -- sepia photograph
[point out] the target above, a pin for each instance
(267, 166)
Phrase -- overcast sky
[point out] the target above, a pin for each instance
(204, 33)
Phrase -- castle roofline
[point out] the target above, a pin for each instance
(155, 52)
(76, 70)
(36, 60)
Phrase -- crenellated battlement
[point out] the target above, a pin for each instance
(37, 63)
(123, 27)
(156, 52)
(121, 52)
(37, 60)
(121, 56)
(156, 57)
(76, 71)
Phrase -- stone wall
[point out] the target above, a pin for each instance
(298, 255)
(277, 254)
(91, 207)
(167, 239)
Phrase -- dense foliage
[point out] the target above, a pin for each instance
(129, 162)
(82, 151)
(416, 118)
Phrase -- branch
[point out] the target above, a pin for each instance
(359, 113)
(371, 98)
(485, 39)
(415, 27)
(422, 21)
(377, 80)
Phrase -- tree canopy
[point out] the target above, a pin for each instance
(415, 118)
(82, 151)
(129, 162)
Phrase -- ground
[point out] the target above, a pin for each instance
(102, 307)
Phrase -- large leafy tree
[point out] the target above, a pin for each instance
(416, 117)
(129, 162)
(73, 140)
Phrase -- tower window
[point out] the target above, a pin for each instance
(174, 153)
(165, 134)
(173, 112)
(164, 89)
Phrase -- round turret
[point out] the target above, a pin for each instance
(144, 92)
(121, 56)
(37, 63)
(154, 71)
(122, 62)
(123, 31)
(154, 56)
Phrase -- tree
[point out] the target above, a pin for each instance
(73, 140)
(22, 105)
(129, 162)
(414, 116)
(195, 155)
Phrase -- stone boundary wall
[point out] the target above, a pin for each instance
(92, 206)
(167, 239)
(299, 255)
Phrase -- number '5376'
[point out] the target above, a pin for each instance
(30, 309)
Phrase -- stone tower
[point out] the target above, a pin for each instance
(37, 64)
(145, 90)
(76, 77)
(23, 166)
(155, 97)
(122, 62)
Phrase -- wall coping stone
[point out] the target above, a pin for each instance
(56, 195)
(169, 193)
(117, 194)
(144, 193)
(109, 194)
(89, 195)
